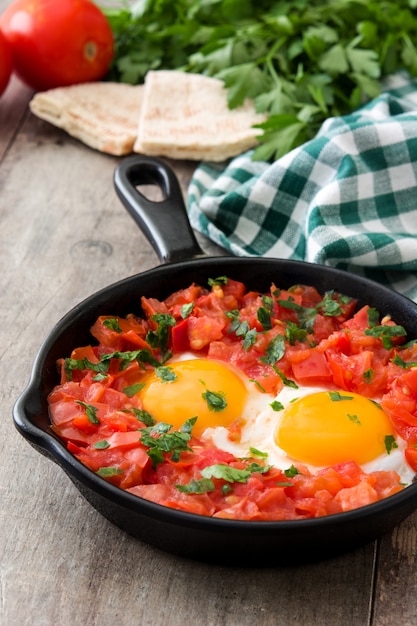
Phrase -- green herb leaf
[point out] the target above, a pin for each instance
(186, 310)
(158, 339)
(276, 406)
(301, 62)
(274, 351)
(144, 417)
(373, 317)
(101, 445)
(161, 440)
(287, 382)
(113, 324)
(291, 472)
(216, 401)
(264, 318)
(354, 419)
(397, 360)
(220, 280)
(90, 411)
(132, 390)
(108, 472)
(390, 443)
(204, 485)
(81, 364)
(368, 375)
(166, 374)
(385, 333)
(250, 339)
(232, 474)
(258, 384)
(257, 453)
(336, 396)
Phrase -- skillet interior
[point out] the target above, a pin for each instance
(224, 541)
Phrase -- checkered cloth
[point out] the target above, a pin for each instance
(347, 198)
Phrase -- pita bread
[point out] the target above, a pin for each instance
(186, 116)
(102, 115)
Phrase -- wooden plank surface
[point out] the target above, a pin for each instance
(64, 235)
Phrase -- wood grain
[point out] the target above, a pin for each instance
(64, 235)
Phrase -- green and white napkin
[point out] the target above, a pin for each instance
(347, 198)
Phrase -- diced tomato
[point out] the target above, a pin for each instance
(184, 296)
(203, 330)
(359, 321)
(179, 336)
(130, 332)
(152, 306)
(410, 454)
(314, 368)
(359, 495)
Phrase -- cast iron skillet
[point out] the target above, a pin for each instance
(251, 543)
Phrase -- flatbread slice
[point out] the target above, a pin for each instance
(103, 115)
(186, 116)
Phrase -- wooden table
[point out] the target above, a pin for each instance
(64, 235)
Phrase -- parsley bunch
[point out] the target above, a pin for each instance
(301, 61)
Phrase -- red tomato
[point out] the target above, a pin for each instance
(55, 44)
(6, 63)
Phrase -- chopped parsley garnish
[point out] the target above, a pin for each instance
(99, 377)
(204, 485)
(161, 440)
(132, 390)
(220, 280)
(166, 374)
(143, 356)
(268, 303)
(390, 443)
(186, 310)
(295, 333)
(258, 453)
(336, 396)
(373, 317)
(329, 306)
(90, 411)
(241, 329)
(113, 324)
(108, 472)
(81, 364)
(101, 445)
(258, 384)
(216, 401)
(264, 318)
(276, 405)
(232, 474)
(144, 416)
(250, 339)
(354, 419)
(397, 360)
(158, 339)
(274, 351)
(287, 382)
(368, 375)
(291, 472)
(386, 333)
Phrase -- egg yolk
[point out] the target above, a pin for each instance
(197, 387)
(331, 427)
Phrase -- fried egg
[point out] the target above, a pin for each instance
(213, 391)
(311, 426)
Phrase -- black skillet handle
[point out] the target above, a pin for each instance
(164, 223)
